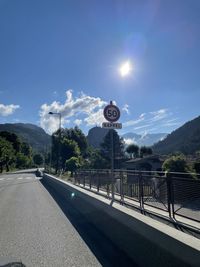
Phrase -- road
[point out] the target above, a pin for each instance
(37, 230)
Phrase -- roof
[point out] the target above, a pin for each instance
(147, 158)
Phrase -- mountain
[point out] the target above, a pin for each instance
(96, 135)
(35, 136)
(143, 140)
(185, 139)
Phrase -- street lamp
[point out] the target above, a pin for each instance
(59, 114)
(59, 147)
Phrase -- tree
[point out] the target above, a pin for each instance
(69, 148)
(144, 151)
(26, 149)
(132, 150)
(66, 144)
(96, 160)
(38, 159)
(13, 139)
(176, 164)
(7, 154)
(72, 164)
(118, 149)
(78, 136)
(22, 161)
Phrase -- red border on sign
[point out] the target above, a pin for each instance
(108, 119)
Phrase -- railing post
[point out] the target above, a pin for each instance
(169, 198)
(79, 178)
(84, 181)
(141, 195)
(75, 177)
(90, 181)
(107, 186)
(97, 182)
(121, 187)
(172, 197)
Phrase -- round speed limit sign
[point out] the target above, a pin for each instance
(111, 113)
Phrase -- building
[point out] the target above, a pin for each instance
(148, 163)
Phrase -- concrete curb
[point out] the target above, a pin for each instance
(146, 241)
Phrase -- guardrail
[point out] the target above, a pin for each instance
(134, 234)
(174, 193)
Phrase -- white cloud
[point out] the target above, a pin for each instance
(95, 118)
(142, 126)
(129, 141)
(160, 114)
(142, 115)
(84, 104)
(126, 109)
(133, 122)
(155, 120)
(169, 124)
(78, 122)
(6, 110)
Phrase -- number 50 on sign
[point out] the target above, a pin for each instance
(111, 113)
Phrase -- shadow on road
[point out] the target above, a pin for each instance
(107, 253)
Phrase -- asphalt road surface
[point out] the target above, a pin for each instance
(36, 229)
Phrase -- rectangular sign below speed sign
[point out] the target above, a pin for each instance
(112, 125)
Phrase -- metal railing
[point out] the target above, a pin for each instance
(177, 194)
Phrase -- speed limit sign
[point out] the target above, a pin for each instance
(111, 113)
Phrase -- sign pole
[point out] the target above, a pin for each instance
(112, 163)
(112, 114)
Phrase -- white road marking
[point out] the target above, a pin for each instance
(1, 179)
(20, 178)
(29, 178)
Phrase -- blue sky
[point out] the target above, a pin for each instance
(64, 56)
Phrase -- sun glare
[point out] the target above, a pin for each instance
(125, 69)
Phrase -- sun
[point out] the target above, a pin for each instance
(125, 69)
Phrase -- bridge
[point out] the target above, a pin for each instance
(50, 222)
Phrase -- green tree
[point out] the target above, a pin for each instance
(38, 159)
(7, 154)
(66, 144)
(78, 136)
(96, 160)
(69, 148)
(22, 161)
(118, 149)
(132, 150)
(26, 149)
(72, 164)
(13, 139)
(176, 164)
(144, 151)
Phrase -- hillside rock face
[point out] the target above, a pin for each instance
(95, 136)
(35, 136)
(185, 139)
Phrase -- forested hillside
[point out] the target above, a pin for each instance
(35, 136)
(185, 139)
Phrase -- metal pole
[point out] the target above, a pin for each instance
(59, 148)
(50, 158)
(112, 164)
